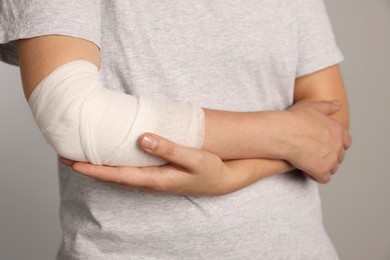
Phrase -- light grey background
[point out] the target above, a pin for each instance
(356, 203)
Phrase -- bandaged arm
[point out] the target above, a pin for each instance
(84, 121)
(230, 135)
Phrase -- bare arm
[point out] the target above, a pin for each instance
(326, 84)
(323, 85)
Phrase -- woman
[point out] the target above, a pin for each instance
(276, 59)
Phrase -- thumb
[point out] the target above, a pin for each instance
(328, 107)
(168, 150)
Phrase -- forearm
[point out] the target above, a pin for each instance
(244, 135)
(84, 121)
(324, 85)
(248, 171)
(245, 172)
(235, 135)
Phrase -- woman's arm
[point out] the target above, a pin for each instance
(326, 84)
(190, 171)
(230, 135)
(39, 56)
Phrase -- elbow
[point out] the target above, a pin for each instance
(63, 135)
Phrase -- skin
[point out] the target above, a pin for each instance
(311, 135)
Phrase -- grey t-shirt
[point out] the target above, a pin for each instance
(221, 54)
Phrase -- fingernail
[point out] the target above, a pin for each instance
(149, 142)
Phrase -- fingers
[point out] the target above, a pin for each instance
(66, 161)
(128, 176)
(328, 107)
(334, 170)
(347, 140)
(311, 177)
(110, 174)
(185, 157)
(322, 179)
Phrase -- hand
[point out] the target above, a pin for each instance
(317, 142)
(190, 171)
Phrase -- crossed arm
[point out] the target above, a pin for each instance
(314, 141)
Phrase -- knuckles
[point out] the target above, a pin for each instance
(323, 172)
(198, 160)
(325, 179)
(170, 151)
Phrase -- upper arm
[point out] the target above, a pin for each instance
(326, 84)
(39, 56)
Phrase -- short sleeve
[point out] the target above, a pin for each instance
(317, 47)
(26, 19)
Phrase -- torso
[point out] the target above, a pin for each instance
(230, 55)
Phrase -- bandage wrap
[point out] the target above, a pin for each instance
(84, 121)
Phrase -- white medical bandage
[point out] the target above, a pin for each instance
(84, 121)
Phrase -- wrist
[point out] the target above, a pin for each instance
(244, 135)
(276, 141)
